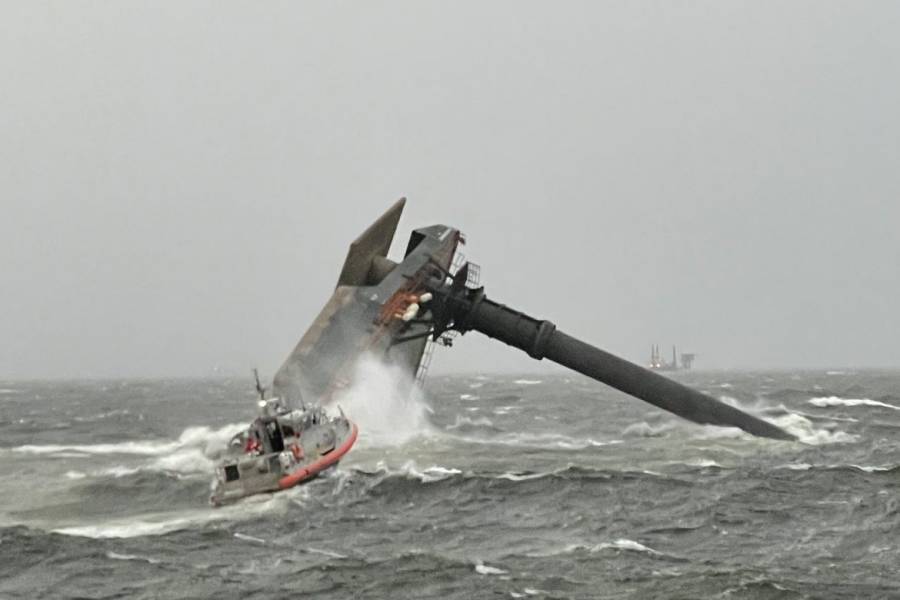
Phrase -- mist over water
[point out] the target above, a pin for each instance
(519, 486)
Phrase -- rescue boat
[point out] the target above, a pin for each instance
(281, 448)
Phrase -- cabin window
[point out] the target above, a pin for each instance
(231, 473)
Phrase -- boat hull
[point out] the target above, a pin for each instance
(300, 460)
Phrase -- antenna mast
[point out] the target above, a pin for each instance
(259, 387)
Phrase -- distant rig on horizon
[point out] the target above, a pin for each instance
(657, 363)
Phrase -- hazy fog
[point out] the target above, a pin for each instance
(179, 181)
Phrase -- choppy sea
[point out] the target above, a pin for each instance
(485, 487)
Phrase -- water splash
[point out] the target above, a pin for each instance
(384, 402)
(808, 433)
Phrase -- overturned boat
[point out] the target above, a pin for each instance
(396, 312)
(280, 449)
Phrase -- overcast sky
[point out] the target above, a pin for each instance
(180, 181)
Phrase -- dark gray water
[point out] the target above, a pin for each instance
(516, 487)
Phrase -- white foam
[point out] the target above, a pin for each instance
(118, 471)
(718, 432)
(624, 544)
(125, 530)
(795, 466)
(865, 468)
(249, 538)
(873, 469)
(462, 421)
(644, 429)
(199, 437)
(836, 401)
(185, 461)
(620, 544)
(576, 444)
(806, 432)
(468, 397)
(820, 417)
(568, 549)
(328, 553)
(522, 477)
(411, 470)
(150, 448)
(75, 475)
(484, 569)
(159, 524)
(104, 415)
(429, 475)
(542, 440)
(376, 402)
(703, 463)
(117, 556)
(527, 381)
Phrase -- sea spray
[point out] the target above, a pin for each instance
(385, 404)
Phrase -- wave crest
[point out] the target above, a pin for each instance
(825, 402)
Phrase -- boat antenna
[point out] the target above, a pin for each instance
(259, 387)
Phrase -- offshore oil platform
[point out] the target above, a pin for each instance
(396, 311)
(657, 363)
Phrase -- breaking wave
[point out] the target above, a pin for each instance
(644, 429)
(467, 423)
(797, 424)
(703, 463)
(378, 403)
(383, 476)
(209, 440)
(870, 469)
(193, 453)
(162, 523)
(852, 402)
(117, 556)
(544, 441)
(410, 470)
(483, 569)
(621, 544)
(808, 433)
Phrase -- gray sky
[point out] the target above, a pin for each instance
(179, 181)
